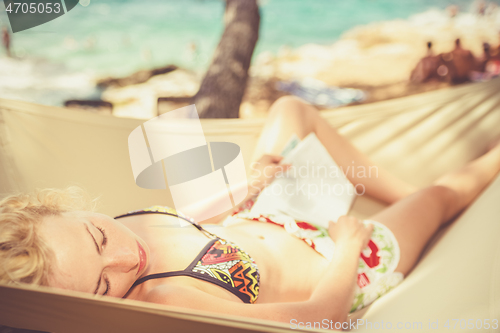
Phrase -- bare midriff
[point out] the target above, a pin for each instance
(289, 269)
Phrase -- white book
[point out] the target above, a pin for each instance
(314, 189)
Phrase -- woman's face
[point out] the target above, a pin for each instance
(93, 253)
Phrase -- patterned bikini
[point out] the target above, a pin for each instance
(220, 262)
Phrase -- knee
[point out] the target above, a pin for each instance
(288, 106)
(445, 197)
(289, 101)
(442, 192)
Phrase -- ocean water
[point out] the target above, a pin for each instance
(118, 37)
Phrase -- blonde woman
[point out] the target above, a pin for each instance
(252, 267)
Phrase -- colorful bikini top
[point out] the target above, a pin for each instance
(220, 262)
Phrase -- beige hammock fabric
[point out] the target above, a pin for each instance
(417, 138)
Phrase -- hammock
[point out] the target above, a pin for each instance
(417, 138)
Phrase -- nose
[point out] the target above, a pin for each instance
(122, 259)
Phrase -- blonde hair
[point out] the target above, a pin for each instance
(24, 256)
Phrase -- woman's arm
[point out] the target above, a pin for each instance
(330, 301)
(350, 237)
(263, 172)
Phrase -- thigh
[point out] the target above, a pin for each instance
(413, 221)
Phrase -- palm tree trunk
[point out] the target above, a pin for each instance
(223, 86)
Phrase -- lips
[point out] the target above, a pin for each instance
(142, 258)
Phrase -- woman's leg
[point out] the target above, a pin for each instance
(415, 219)
(289, 116)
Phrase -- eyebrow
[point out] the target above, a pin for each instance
(97, 248)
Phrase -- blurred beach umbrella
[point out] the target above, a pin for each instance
(223, 86)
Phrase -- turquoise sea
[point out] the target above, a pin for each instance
(118, 37)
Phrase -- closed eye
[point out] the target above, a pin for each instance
(104, 242)
(104, 238)
(107, 287)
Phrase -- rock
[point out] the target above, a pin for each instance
(90, 105)
(141, 100)
(166, 104)
(137, 77)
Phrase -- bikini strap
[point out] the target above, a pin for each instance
(196, 225)
(186, 272)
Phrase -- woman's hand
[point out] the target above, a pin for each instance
(264, 171)
(349, 229)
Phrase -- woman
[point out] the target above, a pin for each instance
(248, 268)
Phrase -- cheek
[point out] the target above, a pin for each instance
(122, 234)
(120, 284)
(66, 281)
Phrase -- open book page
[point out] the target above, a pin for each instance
(314, 189)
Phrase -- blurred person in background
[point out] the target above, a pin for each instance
(463, 61)
(427, 68)
(6, 40)
(484, 58)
